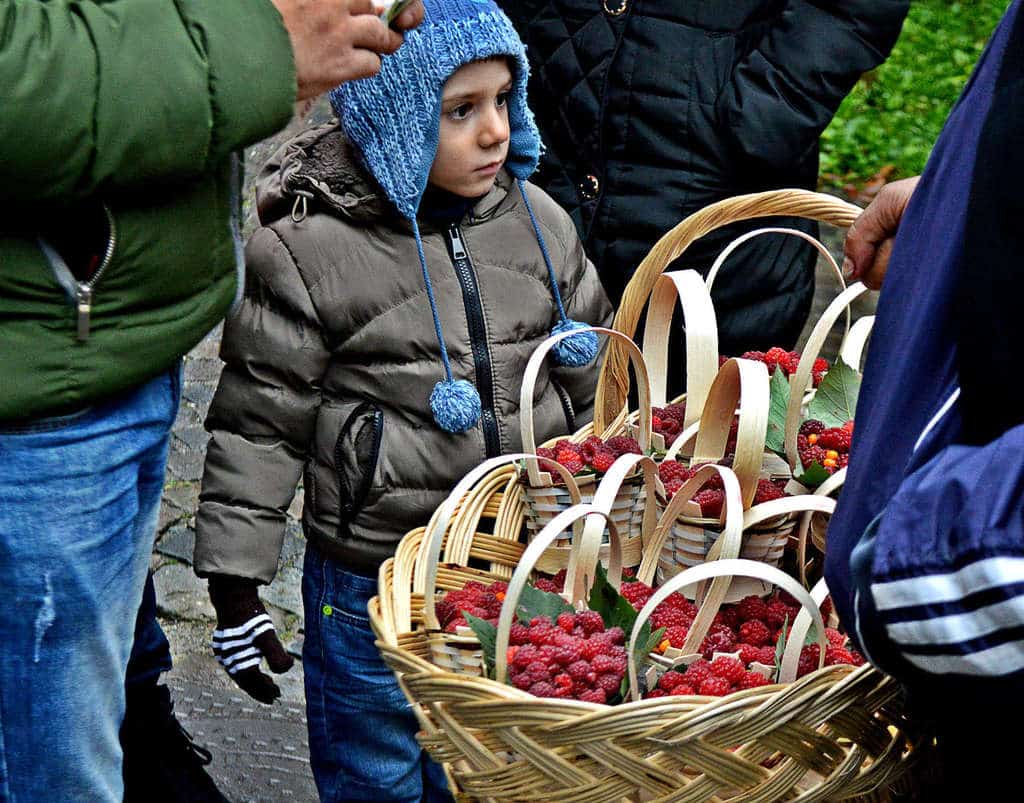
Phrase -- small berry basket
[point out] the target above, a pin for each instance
(544, 497)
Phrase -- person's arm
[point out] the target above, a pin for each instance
(869, 241)
(117, 94)
(262, 418)
(785, 92)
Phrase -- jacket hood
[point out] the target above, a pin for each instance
(320, 165)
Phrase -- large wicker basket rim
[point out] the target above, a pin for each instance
(687, 287)
(613, 384)
(727, 568)
(529, 384)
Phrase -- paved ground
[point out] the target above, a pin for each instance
(260, 752)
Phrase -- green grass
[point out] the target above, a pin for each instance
(894, 114)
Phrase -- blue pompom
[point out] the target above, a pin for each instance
(577, 350)
(456, 405)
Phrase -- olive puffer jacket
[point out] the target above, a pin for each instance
(332, 357)
(134, 166)
(652, 109)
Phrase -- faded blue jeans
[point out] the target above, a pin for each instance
(79, 498)
(362, 732)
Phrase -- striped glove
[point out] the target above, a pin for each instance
(245, 635)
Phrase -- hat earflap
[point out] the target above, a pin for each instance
(577, 350)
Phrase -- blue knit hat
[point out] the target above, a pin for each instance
(394, 117)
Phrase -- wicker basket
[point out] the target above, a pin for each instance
(545, 499)
(837, 733)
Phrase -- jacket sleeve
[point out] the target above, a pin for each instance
(938, 575)
(262, 418)
(101, 96)
(587, 302)
(785, 92)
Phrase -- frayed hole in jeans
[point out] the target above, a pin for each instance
(44, 618)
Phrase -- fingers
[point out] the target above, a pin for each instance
(257, 685)
(370, 33)
(277, 658)
(409, 18)
(361, 7)
(876, 224)
(875, 273)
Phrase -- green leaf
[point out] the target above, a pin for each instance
(534, 602)
(812, 476)
(615, 609)
(780, 647)
(778, 405)
(836, 399)
(487, 634)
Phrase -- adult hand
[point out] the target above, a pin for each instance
(869, 241)
(334, 41)
(245, 635)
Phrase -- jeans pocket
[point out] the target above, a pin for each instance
(48, 424)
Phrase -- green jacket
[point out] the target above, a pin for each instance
(127, 112)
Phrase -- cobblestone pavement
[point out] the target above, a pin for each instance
(260, 752)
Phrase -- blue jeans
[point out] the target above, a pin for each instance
(362, 732)
(151, 652)
(79, 498)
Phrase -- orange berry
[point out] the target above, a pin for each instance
(812, 439)
(664, 645)
(829, 463)
(832, 454)
(501, 594)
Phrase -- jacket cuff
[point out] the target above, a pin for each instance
(252, 81)
(238, 542)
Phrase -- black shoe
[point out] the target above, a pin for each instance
(161, 762)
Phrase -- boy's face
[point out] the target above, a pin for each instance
(473, 136)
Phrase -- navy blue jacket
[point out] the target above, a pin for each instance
(925, 553)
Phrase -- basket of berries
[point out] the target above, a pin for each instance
(587, 460)
(576, 703)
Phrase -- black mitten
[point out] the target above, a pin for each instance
(245, 635)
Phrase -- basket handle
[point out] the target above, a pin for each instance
(801, 624)
(801, 378)
(856, 340)
(613, 384)
(825, 491)
(536, 548)
(738, 380)
(701, 327)
(728, 568)
(425, 578)
(526, 428)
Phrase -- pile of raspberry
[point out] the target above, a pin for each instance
(711, 496)
(476, 599)
(829, 447)
(668, 421)
(593, 455)
(574, 657)
(786, 360)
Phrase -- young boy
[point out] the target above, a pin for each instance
(397, 248)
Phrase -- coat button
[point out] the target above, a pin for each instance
(615, 8)
(590, 187)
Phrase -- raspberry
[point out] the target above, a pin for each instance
(697, 672)
(677, 636)
(778, 613)
(593, 696)
(563, 681)
(717, 642)
(543, 451)
(677, 600)
(538, 672)
(802, 444)
(540, 621)
(522, 681)
(672, 487)
(755, 632)
(670, 617)
(670, 680)
(837, 655)
(751, 680)
(615, 635)
(848, 426)
(602, 460)
(539, 635)
(728, 617)
(606, 663)
(731, 669)
(675, 412)
(749, 653)
(673, 470)
(835, 638)
(582, 671)
(790, 363)
(842, 461)
(525, 655)
(820, 366)
(767, 656)
(682, 690)
(610, 682)
(590, 621)
(808, 660)
(543, 689)
(710, 502)
(715, 687)
(655, 693)
(621, 444)
(566, 621)
(814, 454)
(454, 624)
(572, 463)
(591, 445)
(752, 607)
(592, 648)
(773, 356)
(836, 438)
(817, 376)
(568, 654)
(636, 594)
(858, 659)
(544, 584)
(767, 491)
(811, 427)
(519, 634)
(670, 426)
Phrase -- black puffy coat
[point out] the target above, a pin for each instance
(652, 109)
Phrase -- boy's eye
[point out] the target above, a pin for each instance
(502, 99)
(461, 112)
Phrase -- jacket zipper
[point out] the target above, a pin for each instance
(567, 409)
(477, 338)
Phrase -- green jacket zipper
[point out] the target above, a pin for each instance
(477, 338)
(82, 293)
